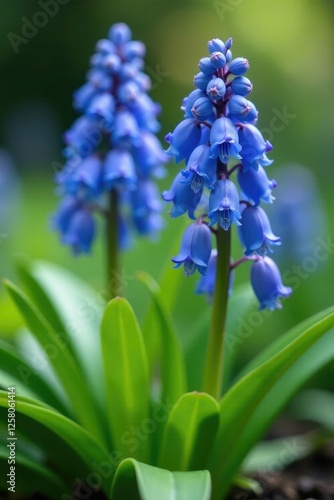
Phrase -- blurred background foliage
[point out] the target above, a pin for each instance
(290, 49)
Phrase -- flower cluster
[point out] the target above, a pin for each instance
(112, 147)
(217, 137)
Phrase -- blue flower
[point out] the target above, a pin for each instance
(102, 107)
(203, 109)
(206, 66)
(184, 139)
(119, 170)
(195, 249)
(218, 60)
(83, 176)
(255, 232)
(267, 283)
(253, 144)
(183, 197)
(201, 80)
(216, 45)
(256, 185)
(216, 89)
(241, 110)
(125, 132)
(224, 140)
(149, 155)
(240, 85)
(188, 102)
(224, 204)
(84, 136)
(201, 169)
(239, 66)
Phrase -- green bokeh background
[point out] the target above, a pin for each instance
(290, 49)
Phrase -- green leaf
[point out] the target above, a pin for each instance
(76, 436)
(139, 481)
(61, 359)
(127, 378)
(74, 310)
(189, 432)
(31, 477)
(275, 454)
(245, 409)
(248, 483)
(15, 371)
(283, 340)
(173, 376)
(316, 405)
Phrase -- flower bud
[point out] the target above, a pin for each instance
(218, 60)
(239, 66)
(216, 45)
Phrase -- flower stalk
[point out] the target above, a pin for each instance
(213, 371)
(114, 285)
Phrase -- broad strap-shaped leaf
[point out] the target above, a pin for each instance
(316, 405)
(173, 375)
(61, 359)
(283, 340)
(15, 371)
(127, 379)
(189, 432)
(74, 310)
(76, 436)
(138, 481)
(245, 404)
(31, 477)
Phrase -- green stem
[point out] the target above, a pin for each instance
(213, 371)
(114, 276)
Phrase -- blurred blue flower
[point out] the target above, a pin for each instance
(267, 283)
(207, 282)
(112, 146)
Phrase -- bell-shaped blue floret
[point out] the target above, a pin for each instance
(206, 66)
(83, 96)
(255, 233)
(224, 140)
(267, 284)
(188, 102)
(203, 109)
(201, 169)
(253, 144)
(184, 139)
(183, 197)
(146, 208)
(201, 80)
(239, 66)
(102, 107)
(216, 89)
(119, 170)
(84, 136)
(195, 249)
(120, 34)
(241, 110)
(82, 176)
(149, 155)
(240, 85)
(224, 204)
(218, 60)
(125, 131)
(256, 185)
(80, 231)
(216, 45)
